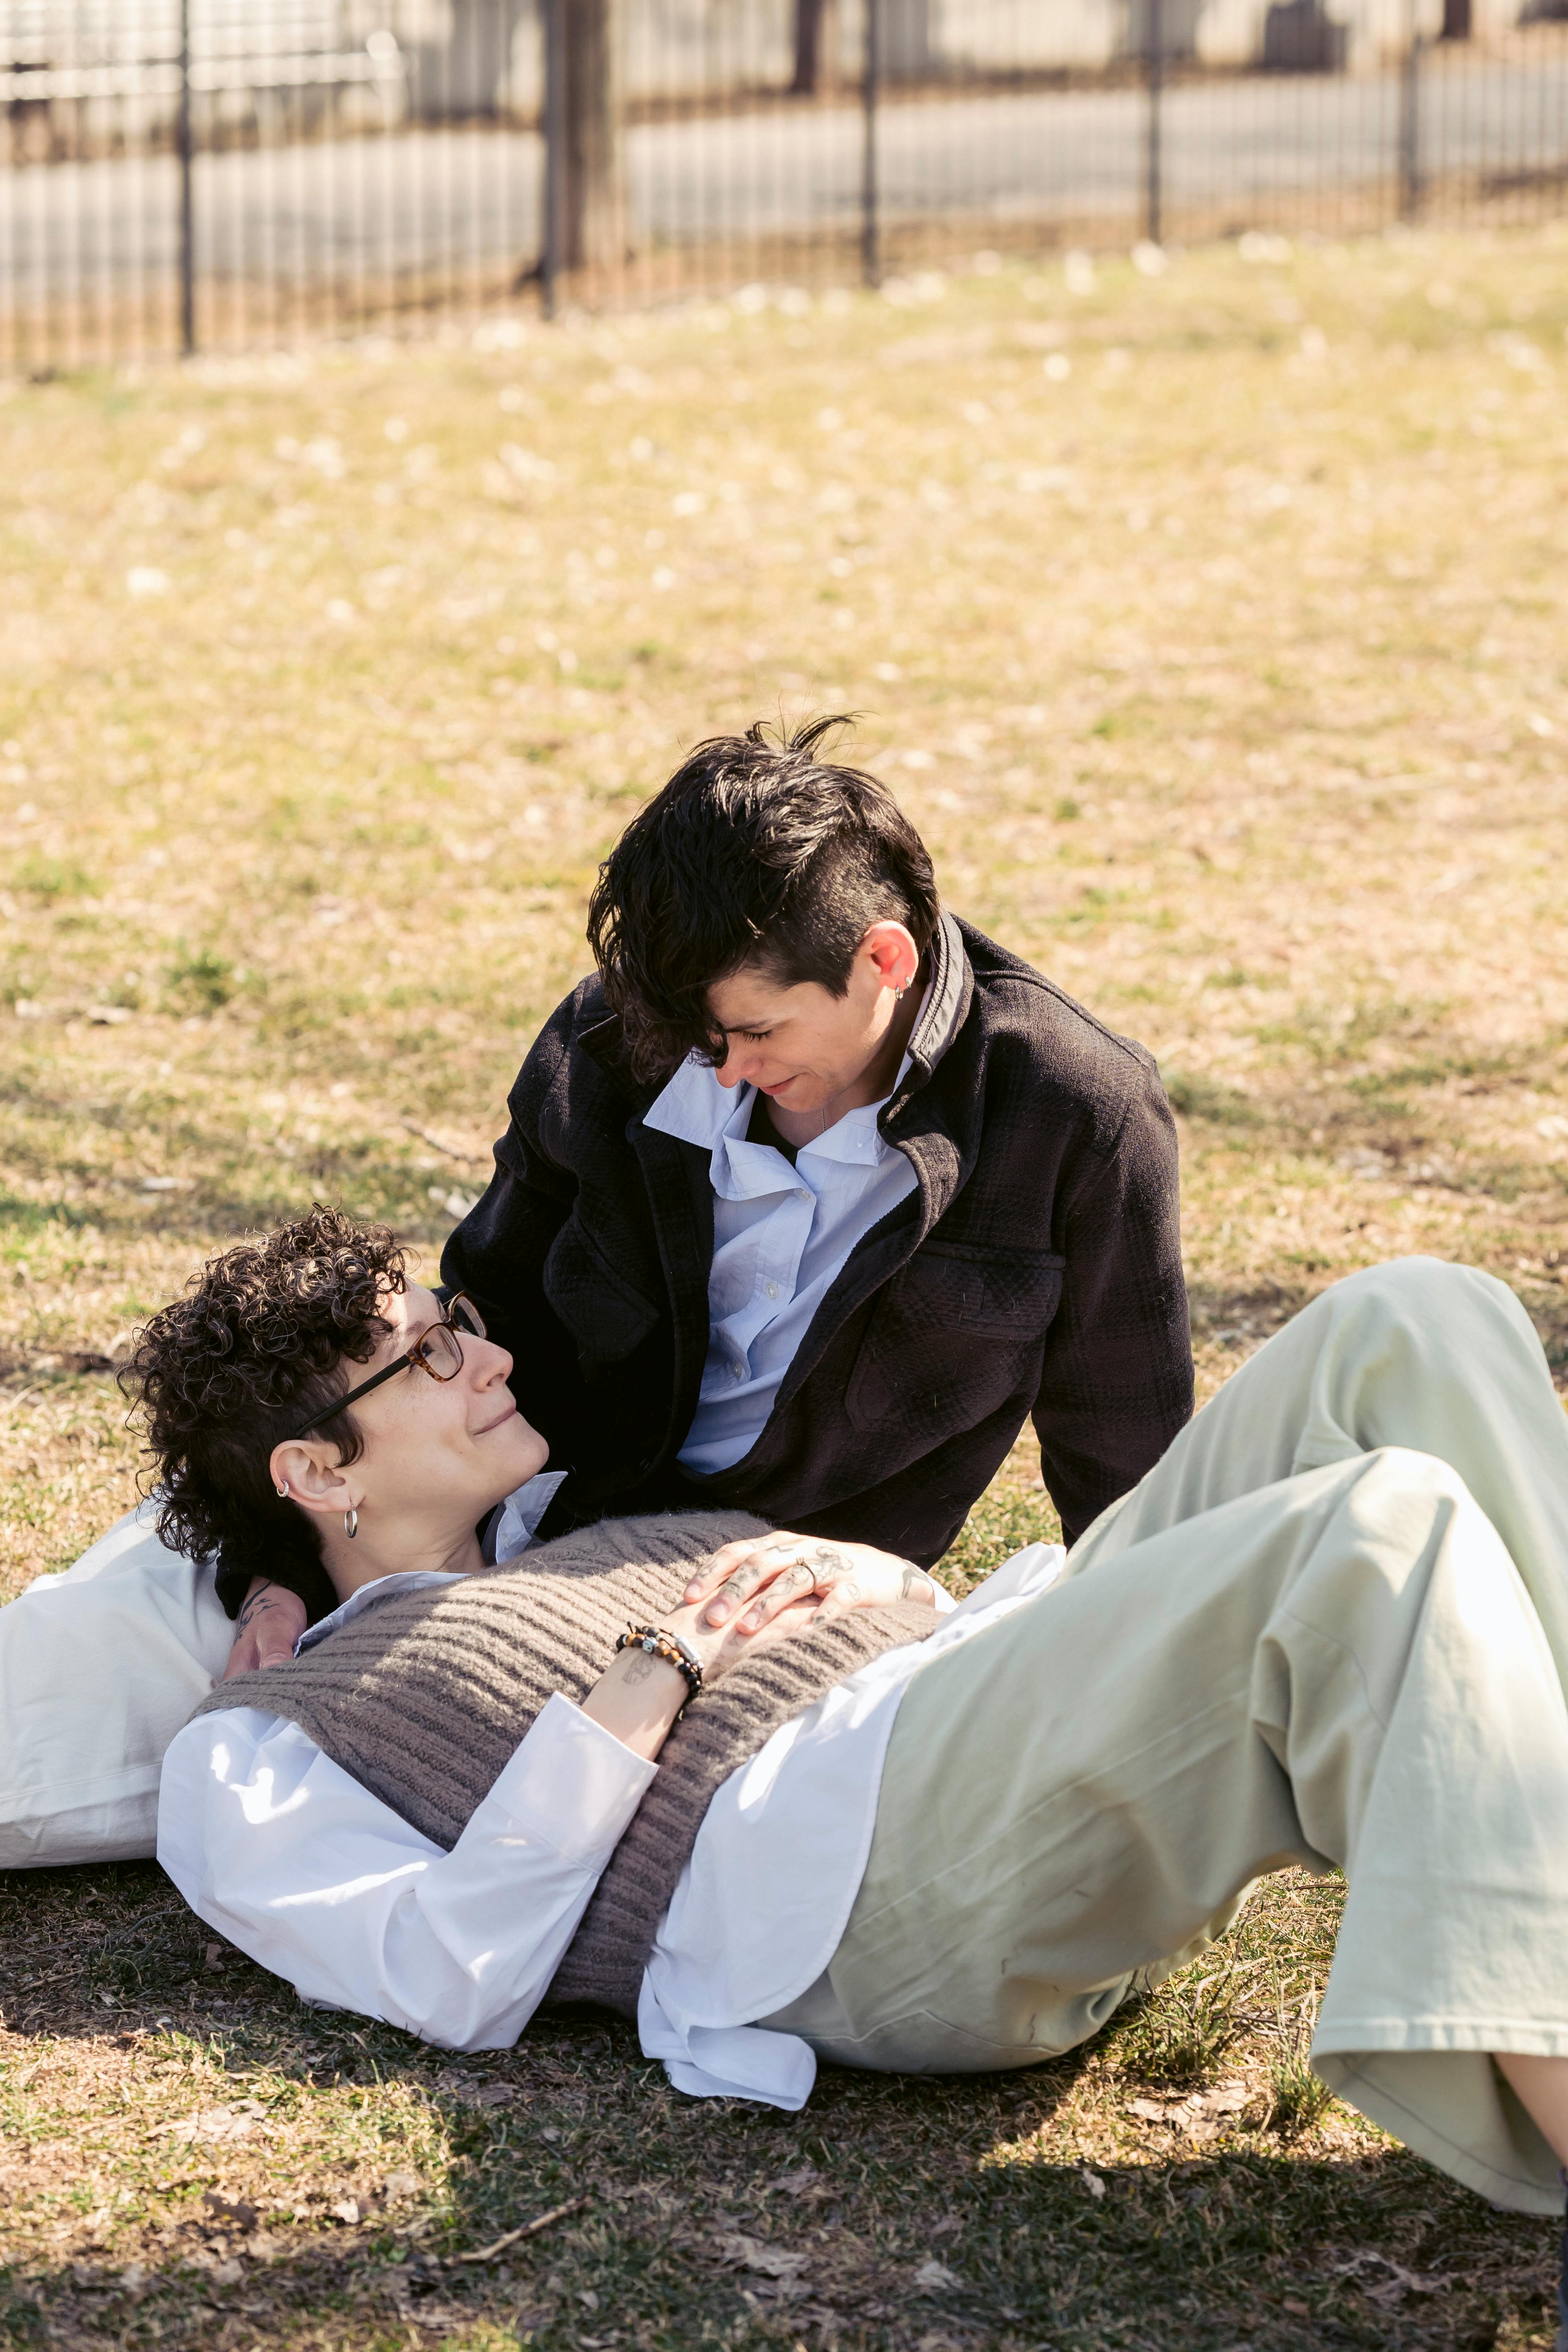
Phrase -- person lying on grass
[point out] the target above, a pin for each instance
(809, 1198)
(803, 1811)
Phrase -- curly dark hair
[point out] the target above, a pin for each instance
(229, 1370)
(756, 850)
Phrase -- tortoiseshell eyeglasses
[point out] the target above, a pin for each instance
(438, 1352)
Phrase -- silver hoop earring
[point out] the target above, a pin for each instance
(284, 1489)
(350, 1524)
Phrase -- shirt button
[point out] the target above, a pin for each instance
(773, 1289)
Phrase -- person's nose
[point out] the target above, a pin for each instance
(490, 1364)
(736, 1067)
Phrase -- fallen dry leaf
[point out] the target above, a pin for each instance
(1197, 2112)
(794, 2184)
(231, 2208)
(214, 2123)
(1402, 2282)
(435, 2315)
(471, 2092)
(755, 2254)
(935, 2278)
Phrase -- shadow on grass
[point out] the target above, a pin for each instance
(192, 2167)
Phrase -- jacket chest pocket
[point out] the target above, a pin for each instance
(953, 1337)
(606, 1315)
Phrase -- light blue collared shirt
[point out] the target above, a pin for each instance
(781, 1238)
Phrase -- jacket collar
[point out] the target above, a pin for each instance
(943, 1015)
(604, 1044)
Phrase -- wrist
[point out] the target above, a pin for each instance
(639, 1698)
(707, 1640)
(661, 1641)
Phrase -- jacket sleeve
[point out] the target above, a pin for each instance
(1117, 1382)
(497, 1253)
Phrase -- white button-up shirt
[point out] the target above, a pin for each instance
(781, 1238)
(281, 1849)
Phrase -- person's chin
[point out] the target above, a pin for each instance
(516, 1449)
(531, 1451)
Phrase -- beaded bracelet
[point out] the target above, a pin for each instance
(657, 1643)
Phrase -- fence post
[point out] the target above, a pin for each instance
(187, 215)
(551, 255)
(1154, 194)
(870, 226)
(1410, 116)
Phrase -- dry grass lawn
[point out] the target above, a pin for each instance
(1215, 627)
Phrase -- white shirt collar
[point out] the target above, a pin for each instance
(380, 1588)
(695, 1108)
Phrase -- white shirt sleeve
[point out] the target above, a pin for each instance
(290, 1857)
(1019, 1578)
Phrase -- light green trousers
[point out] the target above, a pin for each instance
(1329, 1627)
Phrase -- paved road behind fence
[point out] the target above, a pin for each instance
(349, 230)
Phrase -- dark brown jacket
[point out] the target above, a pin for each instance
(1036, 1270)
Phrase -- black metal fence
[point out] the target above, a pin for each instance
(187, 175)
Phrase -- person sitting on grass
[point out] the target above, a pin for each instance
(768, 1796)
(808, 1198)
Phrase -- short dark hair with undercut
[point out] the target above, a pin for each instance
(255, 1344)
(756, 852)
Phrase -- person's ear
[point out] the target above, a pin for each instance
(313, 1476)
(892, 949)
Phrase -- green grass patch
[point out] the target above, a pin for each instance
(1225, 680)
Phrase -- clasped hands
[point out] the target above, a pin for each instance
(779, 1580)
(750, 1597)
(749, 1585)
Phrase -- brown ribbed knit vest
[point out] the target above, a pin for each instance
(423, 1697)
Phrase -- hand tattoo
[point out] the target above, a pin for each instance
(255, 1607)
(916, 1585)
(828, 1560)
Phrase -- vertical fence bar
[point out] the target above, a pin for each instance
(187, 206)
(1410, 116)
(1153, 160)
(870, 222)
(552, 251)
